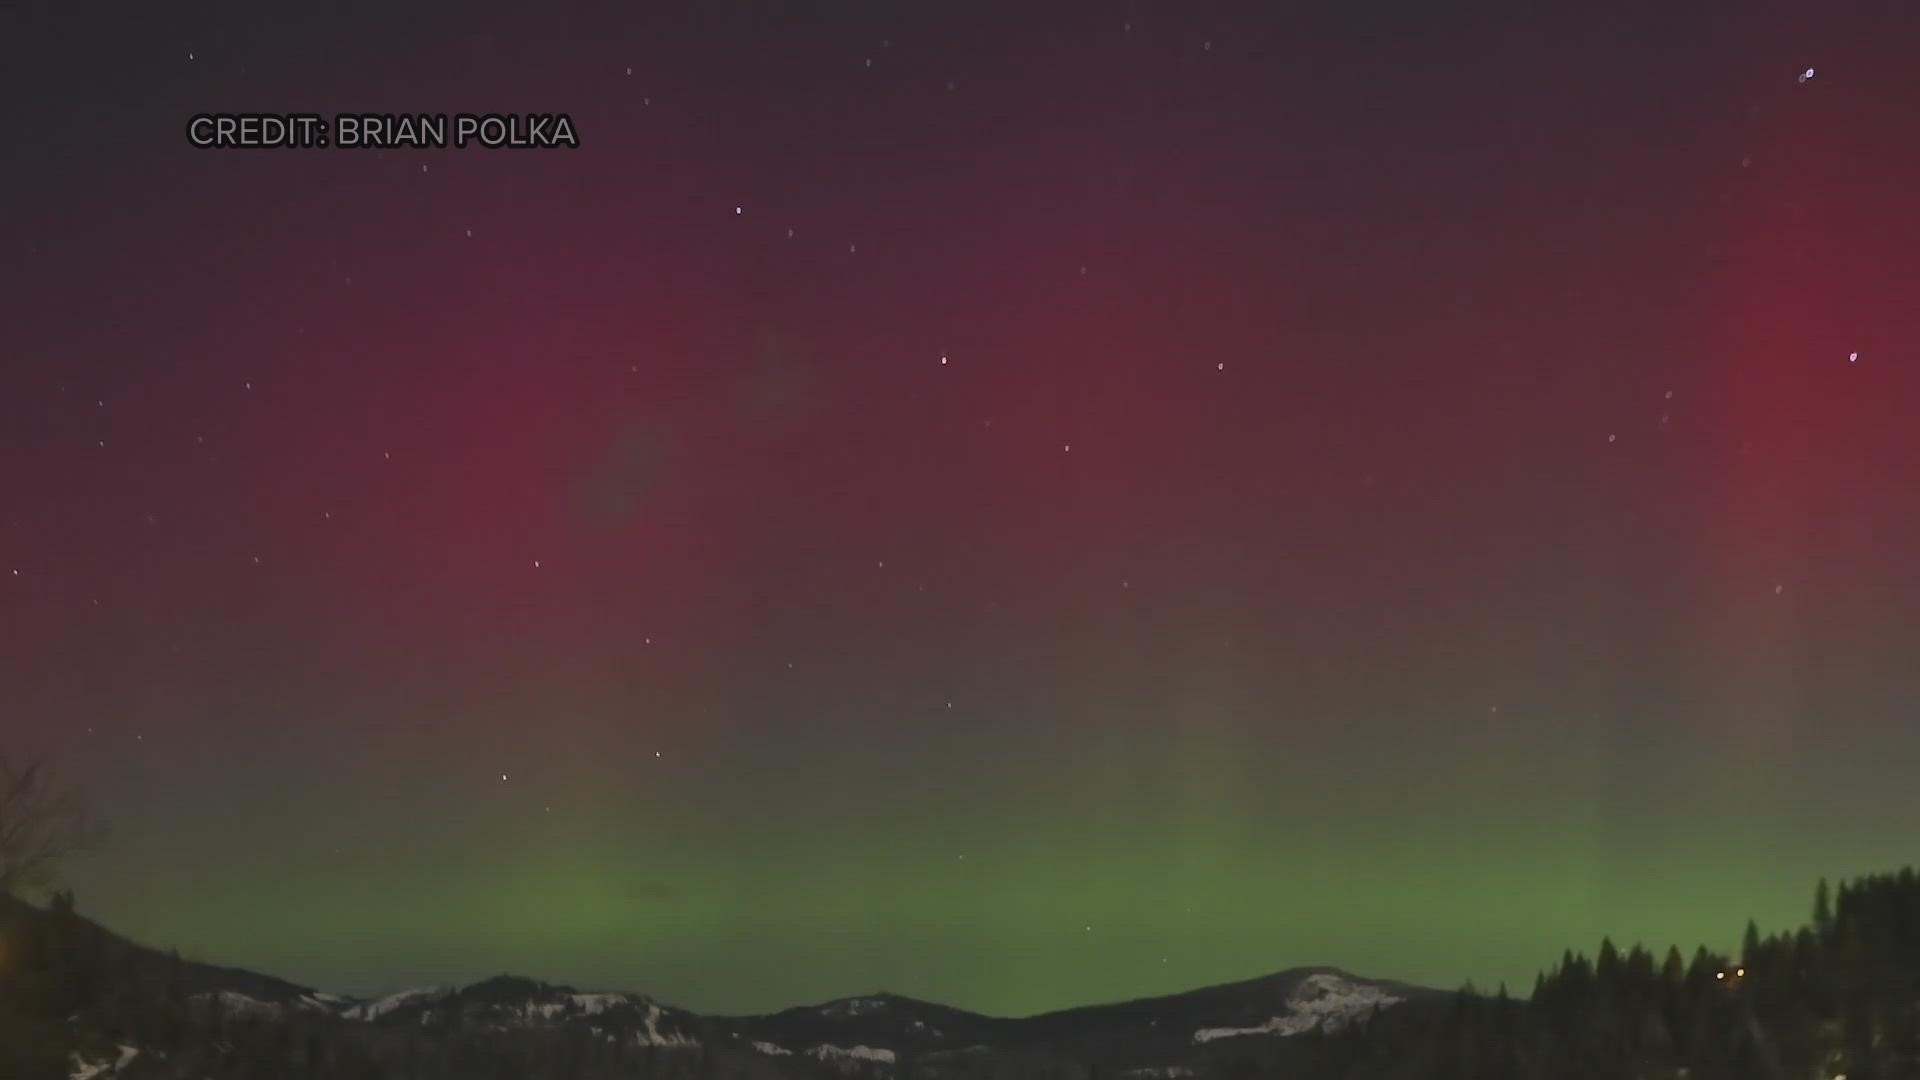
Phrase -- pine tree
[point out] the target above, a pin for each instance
(1607, 966)
(1673, 971)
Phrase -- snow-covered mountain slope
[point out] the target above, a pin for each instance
(880, 1029)
(1321, 1000)
(507, 1003)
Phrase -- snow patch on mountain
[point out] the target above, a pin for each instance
(830, 1052)
(771, 1050)
(84, 1071)
(374, 1010)
(595, 1004)
(235, 1003)
(652, 1036)
(853, 1006)
(1322, 1000)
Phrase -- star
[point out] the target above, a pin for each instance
(503, 777)
(1807, 74)
(536, 564)
(1853, 358)
(943, 358)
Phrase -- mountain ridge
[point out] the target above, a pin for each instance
(879, 1028)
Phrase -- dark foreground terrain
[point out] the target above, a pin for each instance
(1839, 997)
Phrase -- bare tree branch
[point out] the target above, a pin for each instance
(43, 823)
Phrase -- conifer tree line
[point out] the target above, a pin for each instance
(1838, 997)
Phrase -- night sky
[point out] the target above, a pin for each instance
(1018, 508)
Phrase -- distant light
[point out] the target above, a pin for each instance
(943, 358)
(1853, 358)
(1741, 972)
(739, 210)
(1719, 974)
(503, 777)
(1807, 74)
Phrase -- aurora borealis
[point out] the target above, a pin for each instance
(1016, 509)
